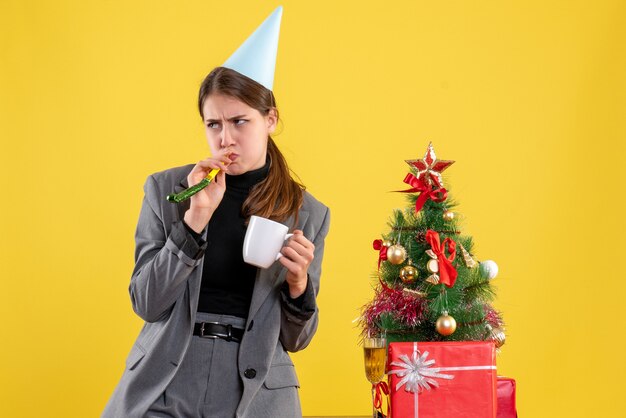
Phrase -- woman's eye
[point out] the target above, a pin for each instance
(212, 125)
(240, 121)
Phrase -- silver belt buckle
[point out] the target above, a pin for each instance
(202, 330)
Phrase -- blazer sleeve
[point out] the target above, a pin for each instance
(163, 261)
(299, 320)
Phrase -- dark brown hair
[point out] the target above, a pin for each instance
(279, 196)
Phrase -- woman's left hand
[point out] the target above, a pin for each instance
(297, 256)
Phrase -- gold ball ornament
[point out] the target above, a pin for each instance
(448, 215)
(408, 273)
(396, 254)
(446, 325)
(498, 336)
(387, 243)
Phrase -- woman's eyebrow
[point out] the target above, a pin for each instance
(230, 119)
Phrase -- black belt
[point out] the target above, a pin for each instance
(216, 330)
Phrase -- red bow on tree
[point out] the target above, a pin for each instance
(382, 251)
(447, 272)
(426, 192)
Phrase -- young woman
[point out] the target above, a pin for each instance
(217, 330)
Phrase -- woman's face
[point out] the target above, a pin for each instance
(229, 122)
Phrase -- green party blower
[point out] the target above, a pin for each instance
(187, 193)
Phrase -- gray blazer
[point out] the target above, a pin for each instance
(164, 291)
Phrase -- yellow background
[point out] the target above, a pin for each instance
(528, 98)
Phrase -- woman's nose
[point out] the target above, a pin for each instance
(227, 138)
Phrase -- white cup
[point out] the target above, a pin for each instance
(263, 241)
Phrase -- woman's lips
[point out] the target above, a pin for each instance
(233, 157)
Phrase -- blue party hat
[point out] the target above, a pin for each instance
(256, 57)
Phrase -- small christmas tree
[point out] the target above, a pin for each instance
(429, 286)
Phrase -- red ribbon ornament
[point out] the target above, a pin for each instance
(436, 195)
(381, 389)
(382, 256)
(382, 251)
(447, 272)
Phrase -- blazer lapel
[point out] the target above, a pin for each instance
(268, 279)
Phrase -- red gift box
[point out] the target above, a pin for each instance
(443, 379)
(506, 398)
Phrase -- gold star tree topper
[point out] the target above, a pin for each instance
(429, 168)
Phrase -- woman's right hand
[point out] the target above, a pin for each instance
(206, 201)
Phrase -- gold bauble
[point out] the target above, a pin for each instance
(446, 325)
(432, 266)
(396, 254)
(387, 243)
(498, 336)
(448, 215)
(408, 274)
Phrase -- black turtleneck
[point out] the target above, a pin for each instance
(227, 281)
